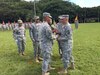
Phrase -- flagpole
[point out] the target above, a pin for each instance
(98, 14)
(34, 8)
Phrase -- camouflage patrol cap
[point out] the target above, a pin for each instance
(47, 14)
(65, 16)
(60, 17)
(20, 21)
(36, 17)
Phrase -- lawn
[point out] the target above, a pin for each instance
(86, 52)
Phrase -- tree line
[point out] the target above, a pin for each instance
(12, 10)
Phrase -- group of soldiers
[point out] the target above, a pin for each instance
(42, 35)
(7, 26)
(10, 26)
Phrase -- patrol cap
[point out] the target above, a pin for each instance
(47, 14)
(20, 21)
(60, 17)
(36, 17)
(65, 16)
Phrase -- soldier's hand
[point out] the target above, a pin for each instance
(54, 37)
(16, 40)
(33, 40)
(58, 38)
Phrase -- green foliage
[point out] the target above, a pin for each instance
(10, 0)
(11, 10)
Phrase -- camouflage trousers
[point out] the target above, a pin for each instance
(37, 50)
(46, 52)
(20, 45)
(76, 25)
(59, 48)
(66, 47)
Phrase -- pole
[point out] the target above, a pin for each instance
(34, 8)
(98, 14)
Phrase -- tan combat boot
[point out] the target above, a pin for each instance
(45, 73)
(36, 60)
(50, 68)
(72, 65)
(23, 53)
(64, 72)
(39, 58)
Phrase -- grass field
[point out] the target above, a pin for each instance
(86, 52)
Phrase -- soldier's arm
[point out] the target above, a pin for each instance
(32, 33)
(14, 34)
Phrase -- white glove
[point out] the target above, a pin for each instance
(53, 36)
(16, 40)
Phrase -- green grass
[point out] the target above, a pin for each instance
(86, 52)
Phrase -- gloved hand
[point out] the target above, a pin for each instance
(53, 36)
(33, 40)
(16, 40)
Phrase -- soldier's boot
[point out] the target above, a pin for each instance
(50, 68)
(23, 53)
(39, 58)
(72, 65)
(20, 54)
(36, 60)
(64, 72)
(45, 73)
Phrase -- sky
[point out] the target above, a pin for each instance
(83, 3)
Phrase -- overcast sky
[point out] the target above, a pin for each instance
(84, 3)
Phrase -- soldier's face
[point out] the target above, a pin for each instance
(20, 24)
(49, 20)
(37, 20)
(60, 20)
(65, 20)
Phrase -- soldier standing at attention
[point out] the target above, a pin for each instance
(76, 22)
(46, 43)
(19, 36)
(59, 46)
(66, 43)
(34, 34)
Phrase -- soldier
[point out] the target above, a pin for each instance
(10, 26)
(19, 36)
(76, 22)
(66, 41)
(34, 34)
(3, 26)
(59, 46)
(0, 26)
(46, 43)
(7, 26)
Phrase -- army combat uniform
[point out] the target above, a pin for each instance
(19, 36)
(66, 43)
(46, 45)
(34, 34)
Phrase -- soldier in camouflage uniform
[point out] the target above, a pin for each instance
(19, 36)
(76, 22)
(0, 26)
(46, 43)
(66, 42)
(34, 34)
(59, 46)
